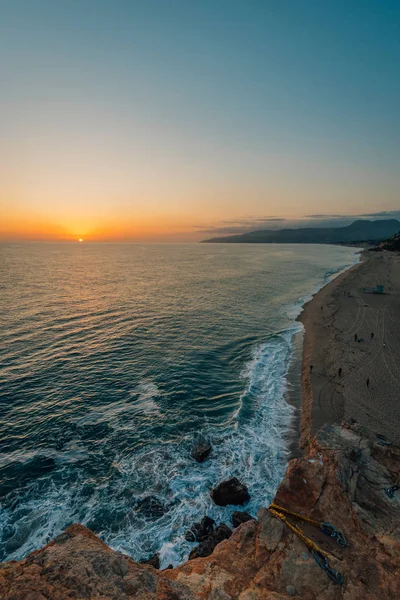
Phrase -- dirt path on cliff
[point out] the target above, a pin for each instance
(357, 332)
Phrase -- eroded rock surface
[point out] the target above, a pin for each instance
(343, 481)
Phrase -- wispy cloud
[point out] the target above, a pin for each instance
(383, 213)
(242, 225)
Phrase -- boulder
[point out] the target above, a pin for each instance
(231, 491)
(239, 517)
(220, 533)
(200, 451)
(154, 561)
(199, 531)
(151, 507)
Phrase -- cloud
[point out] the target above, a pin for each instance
(330, 217)
(383, 213)
(243, 225)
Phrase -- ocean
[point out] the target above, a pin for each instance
(116, 358)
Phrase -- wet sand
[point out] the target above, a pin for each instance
(368, 388)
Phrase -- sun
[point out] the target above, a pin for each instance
(80, 240)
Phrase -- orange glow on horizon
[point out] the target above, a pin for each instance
(30, 227)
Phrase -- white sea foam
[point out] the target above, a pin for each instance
(295, 309)
(254, 452)
(251, 447)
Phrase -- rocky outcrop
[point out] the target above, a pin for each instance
(151, 507)
(344, 480)
(154, 561)
(239, 517)
(231, 491)
(200, 531)
(201, 451)
(220, 533)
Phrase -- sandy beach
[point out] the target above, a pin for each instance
(357, 332)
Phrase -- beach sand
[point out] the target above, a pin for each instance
(368, 388)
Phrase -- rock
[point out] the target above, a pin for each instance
(239, 517)
(304, 555)
(200, 451)
(291, 590)
(199, 531)
(151, 507)
(262, 559)
(154, 561)
(220, 533)
(231, 491)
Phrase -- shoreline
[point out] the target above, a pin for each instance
(305, 426)
(299, 392)
(349, 363)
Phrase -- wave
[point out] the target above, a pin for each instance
(293, 310)
(253, 450)
(88, 483)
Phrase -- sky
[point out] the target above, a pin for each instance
(164, 120)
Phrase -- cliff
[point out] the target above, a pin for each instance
(347, 479)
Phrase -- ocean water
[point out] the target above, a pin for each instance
(116, 358)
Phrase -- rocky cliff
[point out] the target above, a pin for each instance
(347, 479)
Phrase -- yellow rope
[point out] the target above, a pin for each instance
(319, 555)
(281, 509)
(312, 546)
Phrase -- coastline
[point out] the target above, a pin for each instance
(337, 316)
(345, 477)
(299, 392)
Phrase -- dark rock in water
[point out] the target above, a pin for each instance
(239, 517)
(220, 533)
(151, 507)
(231, 491)
(154, 561)
(199, 531)
(201, 451)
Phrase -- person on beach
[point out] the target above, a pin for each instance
(372, 335)
(340, 371)
(355, 337)
(368, 382)
(311, 368)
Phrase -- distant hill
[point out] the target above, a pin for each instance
(359, 231)
(392, 244)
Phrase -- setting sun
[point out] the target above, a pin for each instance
(80, 240)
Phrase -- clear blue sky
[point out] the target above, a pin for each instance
(148, 118)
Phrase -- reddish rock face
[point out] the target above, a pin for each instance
(343, 481)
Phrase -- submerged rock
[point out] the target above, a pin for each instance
(220, 533)
(200, 451)
(199, 531)
(151, 507)
(239, 517)
(231, 491)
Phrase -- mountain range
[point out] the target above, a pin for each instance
(359, 231)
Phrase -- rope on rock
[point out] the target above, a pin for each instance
(318, 554)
